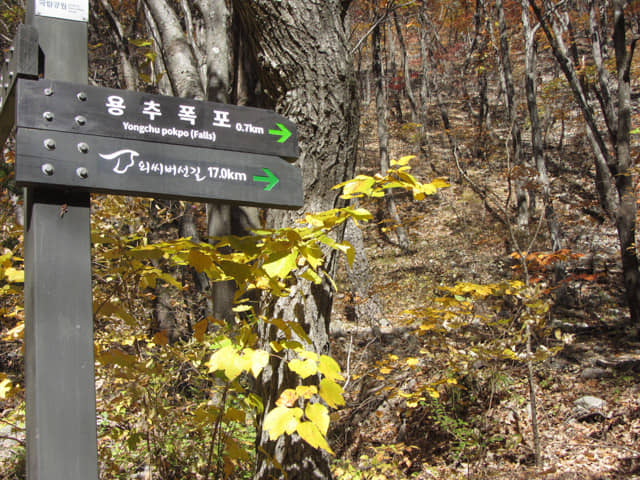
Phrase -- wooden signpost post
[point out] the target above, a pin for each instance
(73, 139)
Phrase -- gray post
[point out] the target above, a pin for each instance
(59, 364)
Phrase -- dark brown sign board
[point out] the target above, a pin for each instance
(20, 61)
(130, 167)
(123, 114)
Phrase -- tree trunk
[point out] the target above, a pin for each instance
(383, 133)
(531, 78)
(306, 68)
(627, 211)
(522, 195)
(618, 203)
(406, 74)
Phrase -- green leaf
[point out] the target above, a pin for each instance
(331, 393)
(282, 420)
(310, 434)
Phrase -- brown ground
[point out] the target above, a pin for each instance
(488, 434)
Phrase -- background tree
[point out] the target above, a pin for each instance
(611, 93)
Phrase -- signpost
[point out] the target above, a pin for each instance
(123, 114)
(73, 139)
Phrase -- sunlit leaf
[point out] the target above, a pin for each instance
(287, 398)
(258, 360)
(281, 420)
(5, 387)
(281, 264)
(319, 416)
(402, 161)
(227, 360)
(310, 434)
(331, 393)
(304, 368)
(330, 368)
(306, 391)
(14, 275)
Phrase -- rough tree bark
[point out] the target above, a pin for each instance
(306, 68)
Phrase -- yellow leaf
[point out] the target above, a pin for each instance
(331, 393)
(313, 254)
(281, 264)
(412, 362)
(281, 420)
(287, 398)
(319, 416)
(227, 360)
(385, 370)
(5, 387)
(433, 393)
(304, 368)
(310, 434)
(361, 185)
(258, 359)
(306, 391)
(402, 161)
(13, 275)
(308, 354)
(310, 275)
(330, 368)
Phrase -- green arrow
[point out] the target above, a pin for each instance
(271, 179)
(283, 132)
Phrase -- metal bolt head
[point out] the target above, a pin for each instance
(80, 119)
(50, 144)
(83, 147)
(82, 172)
(48, 169)
(48, 116)
(82, 96)
(48, 91)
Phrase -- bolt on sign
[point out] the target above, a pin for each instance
(113, 141)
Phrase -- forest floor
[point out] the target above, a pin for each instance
(478, 422)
